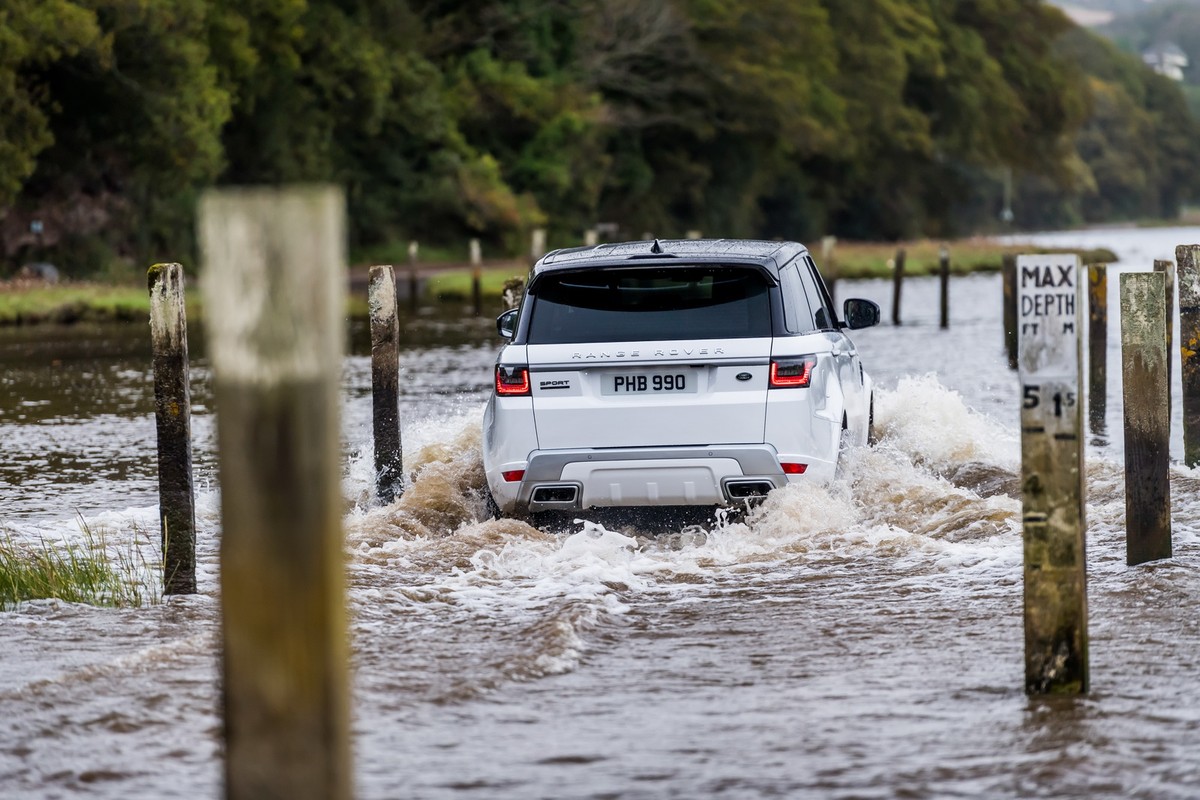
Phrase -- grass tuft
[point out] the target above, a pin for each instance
(75, 572)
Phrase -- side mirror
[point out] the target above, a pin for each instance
(859, 313)
(506, 323)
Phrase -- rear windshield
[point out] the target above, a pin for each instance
(630, 305)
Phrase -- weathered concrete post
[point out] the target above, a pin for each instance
(537, 243)
(1008, 273)
(1056, 647)
(944, 276)
(591, 237)
(829, 270)
(476, 276)
(1147, 417)
(385, 383)
(173, 419)
(414, 281)
(1167, 268)
(274, 286)
(897, 281)
(1097, 347)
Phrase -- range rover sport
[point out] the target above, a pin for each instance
(672, 373)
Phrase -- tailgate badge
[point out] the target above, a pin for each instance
(743, 376)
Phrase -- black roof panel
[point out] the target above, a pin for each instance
(771, 255)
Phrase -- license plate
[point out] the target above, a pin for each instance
(673, 382)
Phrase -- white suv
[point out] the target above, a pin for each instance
(672, 373)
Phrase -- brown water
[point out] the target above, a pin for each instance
(857, 640)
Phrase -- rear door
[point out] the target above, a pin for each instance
(650, 356)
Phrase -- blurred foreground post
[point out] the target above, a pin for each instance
(274, 287)
(944, 275)
(1056, 660)
(1008, 272)
(173, 419)
(385, 383)
(1097, 347)
(1147, 417)
(476, 276)
(897, 281)
(1188, 258)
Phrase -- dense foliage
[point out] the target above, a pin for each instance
(453, 118)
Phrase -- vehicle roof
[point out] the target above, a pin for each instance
(662, 252)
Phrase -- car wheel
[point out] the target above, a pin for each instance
(490, 507)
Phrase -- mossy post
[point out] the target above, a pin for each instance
(1147, 417)
(1167, 268)
(1008, 272)
(274, 286)
(385, 383)
(897, 282)
(1097, 347)
(944, 285)
(173, 419)
(1188, 258)
(1050, 369)
(476, 276)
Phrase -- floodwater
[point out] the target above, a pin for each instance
(856, 640)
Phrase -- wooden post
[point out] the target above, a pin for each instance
(385, 384)
(274, 287)
(1147, 417)
(1168, 270)
(414, 282)
(173, 415)
(1008, 271)
(591, 237)
(476, 276)
(1056, 659)
(537, 243)
(1188, 258)
(829, 264)
(693, 234)
(944, 274)
(1097, 347)
(897, 281)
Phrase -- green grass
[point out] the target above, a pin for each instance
(456, 284)
(75, 572)
(73, 302)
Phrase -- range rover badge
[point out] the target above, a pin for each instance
(743, 376)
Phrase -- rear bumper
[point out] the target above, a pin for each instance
(565, 480)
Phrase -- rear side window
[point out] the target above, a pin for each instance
(630, 305)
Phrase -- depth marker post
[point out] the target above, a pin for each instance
(1049, 323)
(944, 285)
(1147, 417)
(274, 290)
(173, 421)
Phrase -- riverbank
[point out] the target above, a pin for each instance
(27, 302)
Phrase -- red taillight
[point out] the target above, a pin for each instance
(512, 381)
(787, 373)
(513, 475)
(793, 469)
